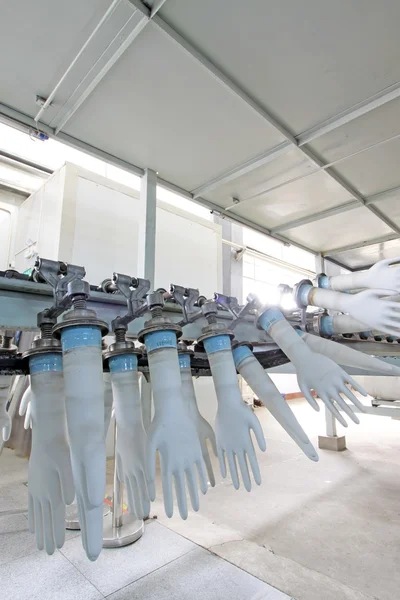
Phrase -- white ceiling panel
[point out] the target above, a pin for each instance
(354, 226)
(159, 108)
(368, 255)
(372, 128)
(305, 61)
(293, 201)
(375, 170)
(290, 165)
(38, 40)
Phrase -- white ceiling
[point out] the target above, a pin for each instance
(203, 94)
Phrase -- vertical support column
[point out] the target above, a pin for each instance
(319, 264)
(330, 441)
(232, 270)
(147, 226)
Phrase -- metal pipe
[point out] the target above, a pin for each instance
(105, 17)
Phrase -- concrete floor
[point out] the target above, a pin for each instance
(315, 531)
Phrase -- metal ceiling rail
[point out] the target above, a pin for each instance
(99, 25)
(380, 240)
(121, 41)
(356, 111)
(14, 158)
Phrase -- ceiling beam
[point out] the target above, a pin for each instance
(380, 240)
(32, 166)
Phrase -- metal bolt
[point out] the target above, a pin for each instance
(120, 335)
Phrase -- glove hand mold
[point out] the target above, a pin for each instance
(50, 482)
(84, 400)
(369, 307)
(131, 441)
(314, 371)
(347, 356)
(174, 435)
(203, 428)
(260, 382)
(383, 275)
(234, 421)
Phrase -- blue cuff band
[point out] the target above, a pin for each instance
(160, 339)
(123, 362)
(323, 282)
(270, 317)
(326, 325)
(303, 293)
(217, 343)
(81, 335)
(184, 361)
(45, 362)
(240, 353)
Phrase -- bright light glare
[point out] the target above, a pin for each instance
(287, 302)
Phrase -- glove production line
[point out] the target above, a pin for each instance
(165, 338)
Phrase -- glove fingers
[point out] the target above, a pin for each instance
(25, 401)
(343, 405)
(181, 494)
(7, 431)
(333, 410)
(357, 387)
(49, 544)
(222, 463)
(166, 477)
(192, 487)
(251, 455)
(131, 498)
(355, 400)
(201, 469)
(233, 470)
(58, 513)
(207, 461)
(308, 395)
(94, 532)
(28, 413)
(38, 524)
(244, 469)
(144, 495)
(258, 432)
(136, 497)
(82, 520)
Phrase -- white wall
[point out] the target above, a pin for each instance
(9, 207)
